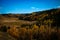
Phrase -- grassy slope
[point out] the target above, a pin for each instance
(45, 18)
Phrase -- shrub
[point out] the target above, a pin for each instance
(3, 29)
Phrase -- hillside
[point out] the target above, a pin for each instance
(43, 17)
(41, 25)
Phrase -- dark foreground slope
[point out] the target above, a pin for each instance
(6, 36)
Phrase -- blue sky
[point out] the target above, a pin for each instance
(27, 6)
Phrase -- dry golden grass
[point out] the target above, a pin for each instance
(36, 33)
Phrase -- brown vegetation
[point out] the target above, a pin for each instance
(43, 25)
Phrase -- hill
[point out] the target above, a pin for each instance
(43, 17)
(41, 25)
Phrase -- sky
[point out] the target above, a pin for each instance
(27, 6)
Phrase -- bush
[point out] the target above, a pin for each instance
(3, 29)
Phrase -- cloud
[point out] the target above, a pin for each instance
(34, 8)
(58, 6)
